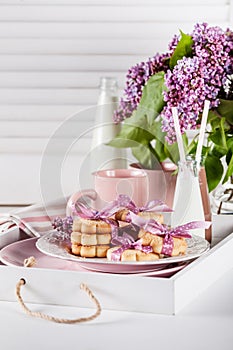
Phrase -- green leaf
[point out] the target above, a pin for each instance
(218, 151)
(229, 171)
(160, 150)
(152, 103)
(183, 48)
(205, 150)
(214, 171)
(192, 147)
(228, 156)
(141, 128)
(172, 150)
(214, 119)
(133, 132)
(229, 161)
(218, 137)
(230, 144)
(225, 109)
(121, 142)
(146, 156)
(156, 131)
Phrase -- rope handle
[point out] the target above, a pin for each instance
(57, 319)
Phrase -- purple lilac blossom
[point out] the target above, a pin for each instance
(191, 81)
(136, 79)
(229, 50)
(173, 43)
(197, 78)
(186, 90)
(63, 225)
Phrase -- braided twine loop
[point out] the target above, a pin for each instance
(57, 319)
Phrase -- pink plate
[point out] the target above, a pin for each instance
(14, 255)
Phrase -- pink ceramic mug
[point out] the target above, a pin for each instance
(108, 184)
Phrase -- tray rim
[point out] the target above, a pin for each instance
(175, 291)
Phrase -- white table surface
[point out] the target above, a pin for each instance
(206, 323)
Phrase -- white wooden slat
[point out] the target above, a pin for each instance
(97, 30)
(231, 12)
(108, 2)
(20, 178)
(43, 112)
(37, 146)
(20, 146)
(56, 79)
(49, 96)
(44, 129)
(82, 46)
(140, 13)
(96, 63)
(20, 182)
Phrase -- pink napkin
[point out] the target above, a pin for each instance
(34, 220)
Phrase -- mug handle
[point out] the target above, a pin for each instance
(92, 194)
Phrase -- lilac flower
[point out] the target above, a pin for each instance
(63, 225)
(198, 78)
(173, 43)
(136, 79)
(229, 50)
(192, 80)
(186, 90)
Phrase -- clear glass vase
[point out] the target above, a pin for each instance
(188, 205)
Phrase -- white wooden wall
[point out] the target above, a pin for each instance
(52, 55)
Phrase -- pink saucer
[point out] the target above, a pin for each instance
(14, 255)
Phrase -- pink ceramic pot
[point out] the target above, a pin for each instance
(162, 182)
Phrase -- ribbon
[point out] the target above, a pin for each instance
(167, 233)
(85, 212)
(104, 214)
(127, 242)
(152, 206)
(122, 201)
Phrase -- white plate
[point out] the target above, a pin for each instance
(52, 245)
(15, 254)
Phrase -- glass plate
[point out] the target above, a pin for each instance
(54, 244)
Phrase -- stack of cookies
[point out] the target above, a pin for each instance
(157, 242)
(90, 238)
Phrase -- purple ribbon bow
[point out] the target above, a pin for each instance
(127, 242)
(154, 205)
(167, 233)
(85, 212)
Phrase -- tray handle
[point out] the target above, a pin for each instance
(29, 312)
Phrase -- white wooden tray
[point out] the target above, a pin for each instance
(120, 292)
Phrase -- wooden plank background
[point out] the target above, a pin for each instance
(52, 55)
